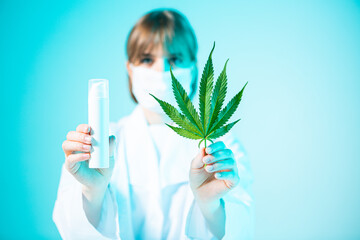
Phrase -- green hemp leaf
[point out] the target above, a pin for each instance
(211, 122)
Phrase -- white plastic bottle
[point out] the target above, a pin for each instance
(98, 119)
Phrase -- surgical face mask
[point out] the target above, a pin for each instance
(146, 80)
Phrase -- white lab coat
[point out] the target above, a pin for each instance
(149, 195)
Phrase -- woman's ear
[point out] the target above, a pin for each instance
(194, 81)
(128, 69)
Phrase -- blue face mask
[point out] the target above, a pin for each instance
(146, 80)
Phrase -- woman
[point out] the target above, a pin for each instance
(156, 186)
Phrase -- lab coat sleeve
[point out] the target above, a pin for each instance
(70, 218)
(238, 203)
(196, 227)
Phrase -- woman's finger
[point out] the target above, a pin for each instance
(79, 137)
(83, 128)
(78, 157)
(197, 162)
(221, 165)
(111, 146)
(215, 147)
(70, 146)
(218, 156)
(231, 178)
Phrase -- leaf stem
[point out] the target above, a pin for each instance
(205, 150)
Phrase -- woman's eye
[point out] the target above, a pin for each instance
(175, 61)
(146, 60)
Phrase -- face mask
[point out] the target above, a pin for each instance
(146, 80)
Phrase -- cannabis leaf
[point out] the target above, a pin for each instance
(211, 122)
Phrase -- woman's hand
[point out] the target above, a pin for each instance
(220, 175)
(77, 149)
(211, 183)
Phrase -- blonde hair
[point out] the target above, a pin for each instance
(167, 27)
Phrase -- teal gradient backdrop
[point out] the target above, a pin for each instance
(300, 112)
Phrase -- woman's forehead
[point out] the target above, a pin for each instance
(170, 50)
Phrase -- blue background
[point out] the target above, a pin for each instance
(300, 111)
